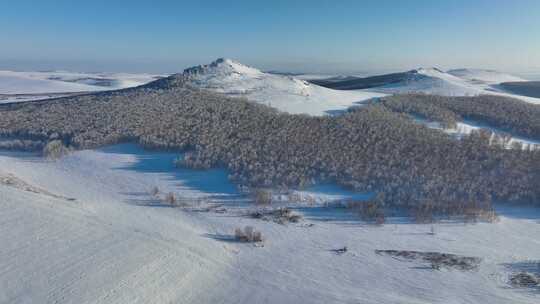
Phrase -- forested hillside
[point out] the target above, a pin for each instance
(370, 149)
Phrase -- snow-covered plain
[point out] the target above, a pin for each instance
(286, 93)
(94, 234)
(23, 86)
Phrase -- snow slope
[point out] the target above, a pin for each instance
(115, 243)
(286, 93)
(101, 247)
(481, 76)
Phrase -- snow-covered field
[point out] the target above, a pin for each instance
(23, 86)
(84, 229)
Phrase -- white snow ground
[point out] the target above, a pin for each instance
(115, 243)
(23, 86)
(286, 93)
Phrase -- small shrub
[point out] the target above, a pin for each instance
(154, 191)
(55, 149)
(436, 259)
(281, 215)
(171, 200)
(248, 234)
(369, 211)
(263, 197)
(524, 279)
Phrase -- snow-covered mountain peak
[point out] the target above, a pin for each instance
(284, 92)
(222, 66)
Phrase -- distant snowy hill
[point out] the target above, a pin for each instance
(458, 82)
(286, 93)
(480, 76)
(426, 80)
(40, 85)
(35, 83)
(431, 81)
(461, 82)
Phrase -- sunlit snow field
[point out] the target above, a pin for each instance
(109, 240)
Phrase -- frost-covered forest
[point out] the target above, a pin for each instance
(508, 114)
(369, 149)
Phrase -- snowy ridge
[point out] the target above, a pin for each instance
(286, 93)
(460, 82)
(481, 76)
(431, 81)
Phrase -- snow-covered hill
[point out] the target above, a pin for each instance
(286, 93)
(481, 76)
(431, 81)
(461, 82)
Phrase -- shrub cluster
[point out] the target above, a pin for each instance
(248, 234)
(55, 149)
(372, 148)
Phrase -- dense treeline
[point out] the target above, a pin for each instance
(505, 113)
(368, 149)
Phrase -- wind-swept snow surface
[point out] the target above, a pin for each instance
(99, 246)
(103, 238)
(286, 93)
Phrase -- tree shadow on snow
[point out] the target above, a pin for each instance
(213, 182)
(229, 238)
(524, 212)
(144, 199)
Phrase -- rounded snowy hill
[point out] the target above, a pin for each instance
(481, 76)
(431, 81)
(458, 82)
(286, 93)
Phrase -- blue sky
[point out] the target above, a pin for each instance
(312, 36)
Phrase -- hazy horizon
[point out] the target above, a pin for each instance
(348, 37)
